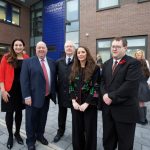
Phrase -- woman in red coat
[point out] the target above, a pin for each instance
(10, 88)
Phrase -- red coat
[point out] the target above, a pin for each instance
(7, 72)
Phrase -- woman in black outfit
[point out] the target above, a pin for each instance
(11, 91)
(144, 91)
(84, 92)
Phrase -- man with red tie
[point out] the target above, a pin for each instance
(38, 87)
(120, 81)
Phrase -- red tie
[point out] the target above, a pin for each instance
(46, 77)
(114, 66)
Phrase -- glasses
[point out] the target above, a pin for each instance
(117, 47)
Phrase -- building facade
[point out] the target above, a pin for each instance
(92, 23)
(14, 23)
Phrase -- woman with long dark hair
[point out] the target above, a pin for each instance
(84, 92)
(10, 88)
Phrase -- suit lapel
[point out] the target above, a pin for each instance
(39, 66)
(116, 71)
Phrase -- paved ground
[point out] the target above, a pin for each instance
(142, 137)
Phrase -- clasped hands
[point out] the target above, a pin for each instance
(82, 107)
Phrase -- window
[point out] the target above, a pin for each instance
(15, 15)
(3, 49)
(2, 10)
(9, 13)
(143, 1)
(104, 4)
(134, 43)
(72, 21)
(36, 20)
(72, 10)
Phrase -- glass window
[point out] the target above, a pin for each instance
(134, 43)
(9, 13)
(36, 19)
(103, 48)
(72, 10)
(102, 4)
(143, 1)
(3, 49)
(15, 15)
(72, 26)
(73, 36)
(2, 10)
(72, 21)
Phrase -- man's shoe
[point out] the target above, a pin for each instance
(18, 139)
(57, 137)
(43, 140)
(32, 147)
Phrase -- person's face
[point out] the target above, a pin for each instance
(117, 49)
(139, 55)
(18, 47)
(81, 54)
(41, 50)
(69, 49)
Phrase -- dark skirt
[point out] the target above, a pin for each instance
(144, 92)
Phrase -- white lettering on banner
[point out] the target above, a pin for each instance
(54, 7)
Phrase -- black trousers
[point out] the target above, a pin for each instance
(36, 121)
(84, 129)
(62, 115)
(116, 133)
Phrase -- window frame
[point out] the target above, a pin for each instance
(142, 1)
(106, 8)
(6, 13)
(129, 47)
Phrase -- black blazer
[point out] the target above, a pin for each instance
(63, 71)
(122, 88)
(33, 81)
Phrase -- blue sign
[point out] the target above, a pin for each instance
(54, 26)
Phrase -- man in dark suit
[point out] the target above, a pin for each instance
(63, 68)
(120, 81)
(38, 86)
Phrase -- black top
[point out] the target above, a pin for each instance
(86, 91)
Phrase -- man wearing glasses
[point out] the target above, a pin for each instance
(120, 81)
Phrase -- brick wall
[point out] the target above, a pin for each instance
(130, 19)
(9, 32)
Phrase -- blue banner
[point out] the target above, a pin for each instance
(54, 26)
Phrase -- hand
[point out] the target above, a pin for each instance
(106, 99)
(76, 106)
(83, 107)
(28, 102)
(5, 96)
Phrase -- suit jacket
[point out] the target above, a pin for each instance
(63, 72)
(7, 72)
(122, 88)
(33, 81)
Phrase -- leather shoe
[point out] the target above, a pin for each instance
(18, 139)
(10, 142)
(57, 137)
(43, 140)
(32, 147)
